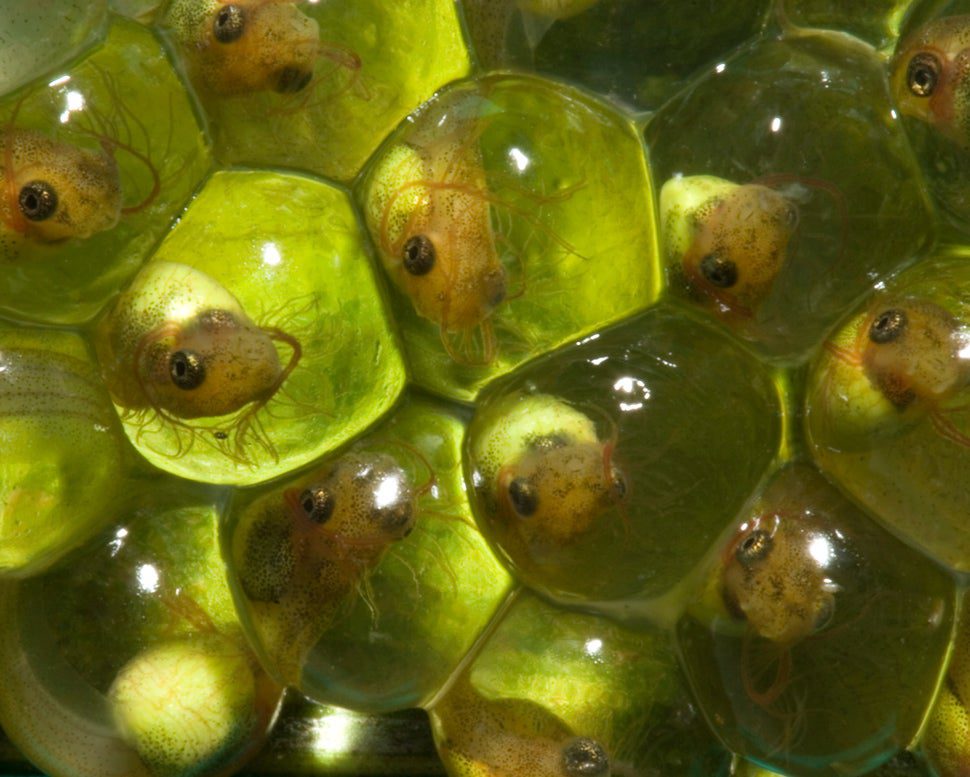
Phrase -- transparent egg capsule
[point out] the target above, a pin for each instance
(283, 80)
(481, 218)
(129, 659)
(886, 406)
(904, 764)
(817, 638)
(93, 165)
(38, 37)
(769, 223)
(875, 21)
(223, 372)
(638, 52)
(928, 80)
(364, 582)
(582, 462)
(560, 694)
(65, 450)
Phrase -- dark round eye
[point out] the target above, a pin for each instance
(888, 326)
(923, 74)
(419, 255)
(585, 757)
(317, 504)
(617, 484)
(229, 24)
(718, 271)
(38, 200)
(755, 547)
(186, 369)
(292, 79)
(524, 498)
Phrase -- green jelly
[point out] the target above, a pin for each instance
(364, 582)
(255, 340)
(284, 86)
(481, 216)
(552, 690)
(768, 222)
(927, 84)
(638, 52)
(94, 653)
(61, 486)
(885, 410)
(817, 639)
(102, 157)
(874, 21)
(606, 470)
(37, 37)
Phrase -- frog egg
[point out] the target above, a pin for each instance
(376, 540)
(545, 470)
(726, 242)
(855, 225)
(480, 216)
(564, 694)
(884, 412)
(97, 159)
(94, 653)
(283, 80)
(52, 404)
(224, 372)
(580, 464)
(594, 43)
(813, 631)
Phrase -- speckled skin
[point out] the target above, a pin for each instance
(276, 50)
(86, 186)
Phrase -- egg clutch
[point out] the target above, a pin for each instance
(592, 375)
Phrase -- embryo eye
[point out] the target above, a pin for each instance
(718, 271)
(317, 503)
(37, 201)
(229, 24)
(524, 498)
(923, 74)
(419, 255)
(186, 369)
(888, 326)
